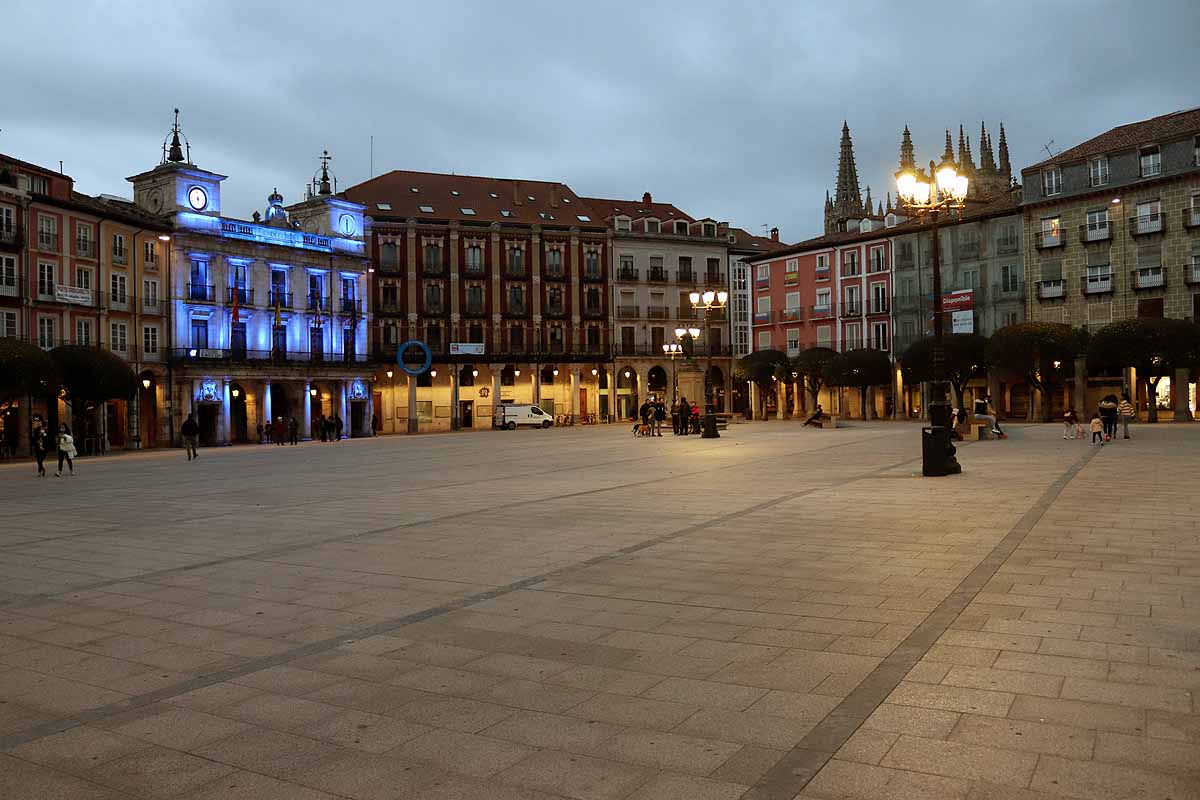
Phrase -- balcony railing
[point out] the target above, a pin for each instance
(476, 311)
(349, 305)
(556, 312)
(594, 276)
(120, 257)
(318, 302)
(434, 270)
(821, 311)
(432, 309)
(85, 248)
(1097, 284)
(390, 266)
(714, 279)
(852, 310)
(1046, 240)
(12, 236)
(880, 306)
(658, 312)
(791, 278)
(200, 292)
(151, 305)
(1095, 232)
(685, 276)
(657, 276)
(119, 301)
(1148, 278)
(629, 312)
(1191, 275)
(790, 315)
(1052, 290)
(514, 271)
(1191, 217)
(1145, 224)
(209, 354)
(762, 317)
(970, 249)
(593, 312)
(516, 310)
(555, 274)
(1006, 247)
(627, 274)
(474, 269)
(280, 298)
(245, 297)
(389, 306)
(821, 274)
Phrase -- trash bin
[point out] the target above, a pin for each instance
(937, 453)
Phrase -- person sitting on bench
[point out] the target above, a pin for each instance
(817, 416)
(981, 413)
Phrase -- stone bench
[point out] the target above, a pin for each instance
(830, 421)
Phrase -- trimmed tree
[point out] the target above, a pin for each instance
(964, 358)
(759, 368)
(25, 369)
(1155, 347)
(90, 376)
(861, 368)
(811, 364)
(1030, 349)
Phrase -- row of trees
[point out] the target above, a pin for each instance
(1041, 353)
(84, 377)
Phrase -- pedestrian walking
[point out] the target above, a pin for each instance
(190, 431)
(1097, 430)
(293, 431)
(374, 424)
(660, 413)
(66, 449)
(1108, 415)
(260, 432)
(1070, 421)
(267, 430)
(337, 427)
(323, 428)
(40, 446)
(1127, 412)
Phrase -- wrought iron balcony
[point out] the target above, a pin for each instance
(1146, 224)
(821, 274)
(554, 274)
(281, 299)
(278, 356)
(349, 305)
(475, 310)
(389, 266)
(629, 312)
(1095, 232)
(685, 276)
(120, 257)
(1007, 247)
(658, 312)
(1191, 217)
(790, 315)
(880, 306)
(556, 311)
(851, 310)
(627, 274)
(1191, 273)
(318, 302)
(821, 311)
(12, 236)
(593, 312)
(595, 276)
(514, 271)
(85, 248)
(119, 301)
(200, 292)
(657, 276)
(434, 270)
(1047, 240)
(47, 242)
(1096, 284)
(245, 297)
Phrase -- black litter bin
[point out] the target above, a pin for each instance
(938, 453)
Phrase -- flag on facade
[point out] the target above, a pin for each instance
(233, 313)
(278, 317)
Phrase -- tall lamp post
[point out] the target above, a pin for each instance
(676, 350)
(946, 191)
(708, 301)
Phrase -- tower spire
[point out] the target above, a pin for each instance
(173, 151)
(908, 160)
(948, 155)
(987, 161)
(323, 187)
(867, 202)
(847, 198)
(1005, 166)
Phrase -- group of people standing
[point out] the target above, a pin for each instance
(64, 443)
(685, 416)
(1109, 411)
(280, 431)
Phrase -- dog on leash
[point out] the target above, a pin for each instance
(643, 430)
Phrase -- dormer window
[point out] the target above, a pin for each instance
(495, 196)
(622, 223)
(470, 212)
(1151, 160)
(709, 230)
(532, 198)
(454, 192)
(567, 200)
(1051, 181)
(583, 218)
(653, 226)
(890, 220)
(426, 209)
(681, 228)
(384, 206)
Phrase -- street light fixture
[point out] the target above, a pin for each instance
(946, 191)
(145, 383)
(708, 301)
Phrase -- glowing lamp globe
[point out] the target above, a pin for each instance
(906, 183)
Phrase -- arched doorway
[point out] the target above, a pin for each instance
(714, 380)
(656, 381)
(237, 415)
(627, 393)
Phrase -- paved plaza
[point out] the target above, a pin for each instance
(576, 613)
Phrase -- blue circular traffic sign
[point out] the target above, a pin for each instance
(424, 349)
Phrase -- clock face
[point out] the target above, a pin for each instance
(347, 225)
(198, 198)
(155, 201)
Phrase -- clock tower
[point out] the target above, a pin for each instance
(176, 185)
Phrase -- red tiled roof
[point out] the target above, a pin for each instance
(527, 202)
(635, 209)
(1175, 125)
(748, 242)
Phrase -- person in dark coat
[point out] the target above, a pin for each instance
(337, 428)
(1108, 415)
(41, 446)
(374, 424)
(323, 428)
(190, 431)
(293, 431)
(660, 413)
(684, 413)
(279, 432)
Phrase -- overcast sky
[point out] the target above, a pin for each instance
(727, 110)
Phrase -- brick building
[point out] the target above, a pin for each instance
(1112, 232)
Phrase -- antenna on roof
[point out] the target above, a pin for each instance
(1047, 147)
(766, 229)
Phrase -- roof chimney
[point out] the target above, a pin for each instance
(774, 234)
(646, 199)
(554, 191)
(517, 199)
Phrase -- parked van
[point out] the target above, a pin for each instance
(510, 416)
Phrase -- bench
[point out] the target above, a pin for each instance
(830, 421)
(723, 421)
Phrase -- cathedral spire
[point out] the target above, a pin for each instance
(908, 160)
(948, 155)
(1005, 166)
(987, 161)
(888, 207)
(867, 203)
(847, 194)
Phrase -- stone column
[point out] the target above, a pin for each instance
(574, 393)
(754, 401)
(1079, 395)
(455, 420)
(223, 432)
(307, 401)
(898, 410)
(535, 383)
(264, 407)
(780, 399)
(612, 392)
(1181, 383)
(344, 407)
(412, 404)
(798, 396)
(495, 391)
(133, 421)
(370, 413)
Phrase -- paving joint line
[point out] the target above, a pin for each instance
(796, 769)
(386, 626)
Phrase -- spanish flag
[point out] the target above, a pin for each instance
(278, 317)
(233, 313)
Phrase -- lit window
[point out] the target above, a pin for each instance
(583, 218)
(470, 212)
(384, 206)
(427, 209)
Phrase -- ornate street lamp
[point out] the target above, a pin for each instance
(707, 301)
(946, 191)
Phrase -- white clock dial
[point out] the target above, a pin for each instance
(347, 225)
(198, 198)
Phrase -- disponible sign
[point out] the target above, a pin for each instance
(466, 348)
(960, 300)
(74, 295)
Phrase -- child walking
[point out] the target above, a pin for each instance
(1097, 430)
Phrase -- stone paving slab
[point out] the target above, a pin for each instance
(779, 613)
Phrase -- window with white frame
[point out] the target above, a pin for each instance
(1010, 278)
(1097, 225)
(1098, 171)
(822, 266)
(877, 261)
(83, 332)
(850, 262)
(8, 217)
(47, 233)
(46, 332)
(1051, 231)
(118, 289)
(853, 336)
(879, 335)
(8, 275)
(149, 340)
(762, 274)
(8, 324)
(83, 240)
(83, 278)
(149, 253)
(45, 279)
(1151, 161)
(824, 336)
(793, 341)
(622, 223)
(119, 336)
(150, 294)
(653, 226)
(118, 251)
(853, 299)
(1149, 216)
(824, 297)
(763, 305)
(1051, 181)
(792, 301)
(970, 279)
(764, 340)
(39, 184)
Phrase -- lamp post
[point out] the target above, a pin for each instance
(676, 350)
(928, 197)
(709, 300)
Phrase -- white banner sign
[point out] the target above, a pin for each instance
(962, 322)
(71, 294)
(466, 348)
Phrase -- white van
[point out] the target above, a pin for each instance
(510, 416)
